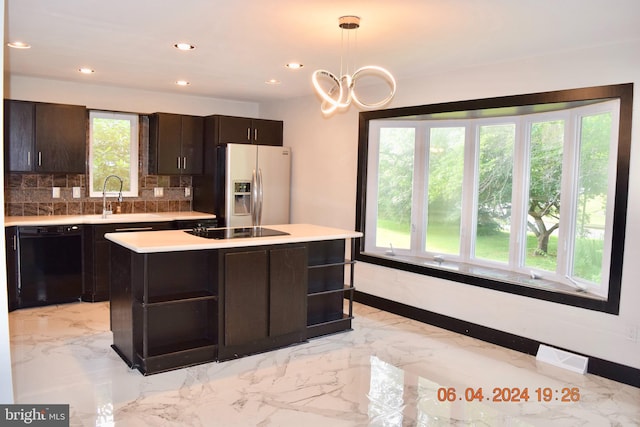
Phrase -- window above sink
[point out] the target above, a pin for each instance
(113, 150)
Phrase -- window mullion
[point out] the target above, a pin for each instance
(521, 151)
(568, 195)
(469, 193)
(420, 198)
(372, 183)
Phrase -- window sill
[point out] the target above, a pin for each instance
(493, 278)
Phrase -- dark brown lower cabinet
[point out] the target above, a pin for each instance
(11, 241)
(264, 293)
(246, 298)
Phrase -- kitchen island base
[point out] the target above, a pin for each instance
(175, 309)
(162, 308)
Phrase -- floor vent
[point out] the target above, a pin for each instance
(562, 359)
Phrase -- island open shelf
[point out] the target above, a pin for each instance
(327, 292)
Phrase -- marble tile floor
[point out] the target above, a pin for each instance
(388, 371)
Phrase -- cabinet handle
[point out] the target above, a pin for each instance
(178, 162)
(248, 134)
(255, 134)
(184, 163)
(39, 158)
(15, 242)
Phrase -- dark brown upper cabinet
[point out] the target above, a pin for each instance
(175, 144)
(45, 138)
(19, 135)
(248, 131)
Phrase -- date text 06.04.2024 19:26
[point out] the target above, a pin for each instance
(510, 394)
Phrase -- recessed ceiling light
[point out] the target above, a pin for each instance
(182, 83)
(184, 46)
(86, 70)
(19, 45)
(273, 82)
(294, 65)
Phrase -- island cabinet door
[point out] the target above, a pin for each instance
(263, 299)
(246, 297)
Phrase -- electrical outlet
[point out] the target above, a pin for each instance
(158, 192)
(187, 191)
(55, 193)
(632, 333)
(76, 192)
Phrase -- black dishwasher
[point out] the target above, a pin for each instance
(50, 264)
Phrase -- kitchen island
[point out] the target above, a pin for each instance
(179, 298)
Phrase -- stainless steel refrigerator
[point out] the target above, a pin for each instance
(256, 182)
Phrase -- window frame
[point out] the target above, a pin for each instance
(583, 96)
(134, 119)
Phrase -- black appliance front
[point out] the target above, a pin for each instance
(50, 265)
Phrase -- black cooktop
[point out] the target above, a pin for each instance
(235, 233)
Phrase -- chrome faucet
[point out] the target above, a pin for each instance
(106, 212)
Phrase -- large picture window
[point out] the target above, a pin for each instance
(528, 199)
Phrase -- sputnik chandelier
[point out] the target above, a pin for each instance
(338, 92)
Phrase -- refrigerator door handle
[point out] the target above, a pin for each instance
(254, 198)
(260, 198)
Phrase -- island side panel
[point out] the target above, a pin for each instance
(121, 297)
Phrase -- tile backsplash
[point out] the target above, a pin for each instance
(32, 194)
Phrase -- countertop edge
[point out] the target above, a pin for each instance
(42, 220)
(177, 240)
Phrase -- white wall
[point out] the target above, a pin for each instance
(121, 99)
(324, 162)
(324, 191)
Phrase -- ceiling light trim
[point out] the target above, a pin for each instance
(184, 46)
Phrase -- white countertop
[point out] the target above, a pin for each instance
(97, 219)
(179, 240)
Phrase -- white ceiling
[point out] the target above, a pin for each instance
(243, 43)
